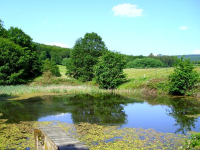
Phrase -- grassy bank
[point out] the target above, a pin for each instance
(141, 82)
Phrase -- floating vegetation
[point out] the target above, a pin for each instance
(16, 136)
(20, 136)
(111, 137)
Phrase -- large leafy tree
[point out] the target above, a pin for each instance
(22, 39)
(183, 78)
(109, 70)
(19, 58)
(13, 63)
(84, 56)
(3, 31)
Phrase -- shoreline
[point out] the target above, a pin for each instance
(19, 92)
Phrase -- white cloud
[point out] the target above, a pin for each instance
(197, 51)
(127, 10)
(184, 28)
(62, 114)
(58, 44)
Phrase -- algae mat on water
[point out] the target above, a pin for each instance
(112, 137)
(20, 136)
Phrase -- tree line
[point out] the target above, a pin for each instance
(150, 61)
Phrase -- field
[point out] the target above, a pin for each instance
(62, 70)
(138, 73)
(153, 72)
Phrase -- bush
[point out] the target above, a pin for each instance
(52, 67)
(65, 61)
(194, 142)
(109, 70)
(183, 78)
(145, 63)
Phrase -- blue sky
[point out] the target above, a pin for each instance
(133, 27)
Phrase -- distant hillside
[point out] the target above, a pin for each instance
(193, 57)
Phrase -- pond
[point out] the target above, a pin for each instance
(172, 115)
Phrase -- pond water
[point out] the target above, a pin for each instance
(173, 115)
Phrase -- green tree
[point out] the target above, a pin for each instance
(22, 39)
(3, 31)
(13, 62)
(84, 56)
(183, 78)
(52, 67)
(109, 70)
(145, 63)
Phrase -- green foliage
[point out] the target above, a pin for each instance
(19, 59)
(109, 70)
(22, 39)
(13, 63)
(145, 63)
(3, 31)
(54, 53)
(84, 56)
(194, 141)
(183, 78)
(168, 61)
(52, 67)
(65, 61)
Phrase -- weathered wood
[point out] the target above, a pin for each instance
(52, 137)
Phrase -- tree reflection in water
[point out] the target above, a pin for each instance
(100, 109)
(180, 109)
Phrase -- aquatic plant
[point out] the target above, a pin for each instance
(112, 137)
(16, 136)
(193, 142)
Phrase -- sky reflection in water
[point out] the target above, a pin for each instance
(163, 115)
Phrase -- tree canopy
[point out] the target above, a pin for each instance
(13, 63)
(53, 53)
(145, 63)
(109, 70)
(19, 57)
(84, 56)
(3, 31)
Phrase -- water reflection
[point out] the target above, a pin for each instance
(162, 114)
(180, 109)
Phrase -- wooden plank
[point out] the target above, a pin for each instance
(53, 137)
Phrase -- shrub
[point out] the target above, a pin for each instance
(183, 78)
(52, 67)
(109, 70)
(194, 142)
